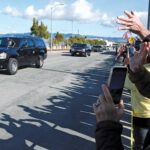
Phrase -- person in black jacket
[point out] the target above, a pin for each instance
(108, 126)
(109, 129)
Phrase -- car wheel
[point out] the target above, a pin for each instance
(85, 54)
(72, 54)
(89, 54)
(12, 67)
(40, 61)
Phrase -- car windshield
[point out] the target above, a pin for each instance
(9, 42)
(97, 46)
(78, 45)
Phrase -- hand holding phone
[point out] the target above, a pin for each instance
(116, 82)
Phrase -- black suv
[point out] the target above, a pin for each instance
(97, 48)
(21, 51)
(80, 49)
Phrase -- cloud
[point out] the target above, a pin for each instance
(80, 10)
(143, 15)
(11, 11)
(31, 12)
(83, 11)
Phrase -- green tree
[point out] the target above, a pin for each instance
(35, 27)
(39, 30)
(58, 38)
(43, 31)
(77, 39)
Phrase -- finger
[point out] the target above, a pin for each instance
(123, 28)
(123, 21)
(132, 12)
(102, 99)
(99, 97)
(142, 46)
(144, 51)
(95, 107)
(129, 14)
(128, 24)
(148, 46)
(121, 107)
(107, 94)
(148, 49)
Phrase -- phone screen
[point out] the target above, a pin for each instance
(117, 83)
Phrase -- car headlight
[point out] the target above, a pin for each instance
(3, 55)
(72, 49)
(83, 50)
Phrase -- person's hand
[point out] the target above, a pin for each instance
(105, 109)
(126, 61)
(140, 57)
(133, 23)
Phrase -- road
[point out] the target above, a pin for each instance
(51, 108)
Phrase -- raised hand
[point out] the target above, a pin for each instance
(132, 23)
(140, 57)
(105, 109)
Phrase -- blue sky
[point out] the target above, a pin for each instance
(86, 17)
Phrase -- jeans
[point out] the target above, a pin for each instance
(139, 135)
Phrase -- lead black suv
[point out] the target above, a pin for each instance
(21, 51)
(80, 49)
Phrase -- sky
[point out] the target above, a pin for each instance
(85, 17)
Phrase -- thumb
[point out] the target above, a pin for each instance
(144, 53)
(120, 108)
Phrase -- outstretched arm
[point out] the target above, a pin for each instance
(137, 73)
(133, 23)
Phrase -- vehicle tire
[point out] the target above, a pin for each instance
(72, 54)
(12, 66)
(40, 61)
(89, 54)
(85, 54)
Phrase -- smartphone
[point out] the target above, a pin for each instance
(116, 82)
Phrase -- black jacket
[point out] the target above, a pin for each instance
(108, 136)
(141, 79)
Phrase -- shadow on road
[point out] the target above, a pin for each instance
(67, 122)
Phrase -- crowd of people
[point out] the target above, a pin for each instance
(109, 129)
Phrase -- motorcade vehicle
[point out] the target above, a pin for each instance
(80, 49)
(17, 51)
(97, 48)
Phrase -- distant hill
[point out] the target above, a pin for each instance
(67, 35)
(113, 39)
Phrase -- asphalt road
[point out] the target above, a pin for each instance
(51, 108)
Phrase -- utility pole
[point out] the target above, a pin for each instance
(54, 6)
(72, 27)
(51, 29)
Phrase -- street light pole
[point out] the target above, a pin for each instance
(52, 23)
(51, 29)
(148, 21)
(72, 26)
